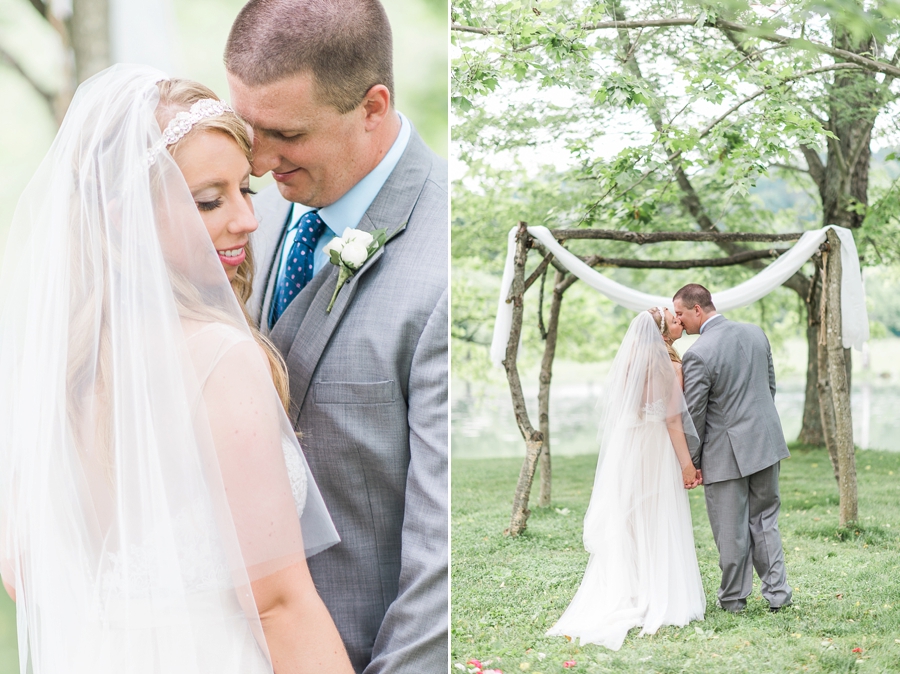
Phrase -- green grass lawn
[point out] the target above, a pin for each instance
(507, 592)
(9, 658)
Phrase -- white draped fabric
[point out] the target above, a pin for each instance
(855, 325)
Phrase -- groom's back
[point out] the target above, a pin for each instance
(731, 365)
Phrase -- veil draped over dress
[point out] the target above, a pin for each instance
(643, 567)
(148, 473)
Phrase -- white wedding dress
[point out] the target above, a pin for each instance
(148, 472)
(216, 616)
(205, 605)
(643, 567)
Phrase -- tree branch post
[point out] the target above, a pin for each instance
(840, 390)
(533, 438)
(544, 390)
(817, 313)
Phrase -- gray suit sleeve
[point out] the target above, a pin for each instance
(696, 396)
(413, 636)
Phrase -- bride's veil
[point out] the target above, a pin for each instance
(143, 485)
(642, 402)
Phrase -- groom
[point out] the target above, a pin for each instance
(729, 388)
(368, 379)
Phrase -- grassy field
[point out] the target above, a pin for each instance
(506, 593)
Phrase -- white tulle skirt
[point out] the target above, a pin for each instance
(212, 620)
(643, 568)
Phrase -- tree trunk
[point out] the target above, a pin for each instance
(826, 404)
(851, 116)
(89, 32)
(843, 183)
(533, 438)
(811, 429)
(544, 391)
(837, 373)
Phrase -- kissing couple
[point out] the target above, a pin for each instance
(166, 338)
(669, 425)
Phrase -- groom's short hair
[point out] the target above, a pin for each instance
(345, 44)
(693, 294)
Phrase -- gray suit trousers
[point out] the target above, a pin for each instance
(743, 514)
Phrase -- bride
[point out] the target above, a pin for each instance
(156, 511)
(643, 568)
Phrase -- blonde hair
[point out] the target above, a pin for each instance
(663, 324)
(176, 96)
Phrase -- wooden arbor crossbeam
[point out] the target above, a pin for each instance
(538, 440)
(659, 237)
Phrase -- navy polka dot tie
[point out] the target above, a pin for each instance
(299, 267)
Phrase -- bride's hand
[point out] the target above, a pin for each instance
(689, 476)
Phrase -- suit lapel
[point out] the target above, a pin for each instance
(273, 215)
(304, 330)
(271, 281)
(306, 345)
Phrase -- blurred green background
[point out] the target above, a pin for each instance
(201, 27)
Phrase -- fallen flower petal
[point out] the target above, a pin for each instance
(569, 664)
(857, 650)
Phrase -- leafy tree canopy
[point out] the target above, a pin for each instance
(651, 116)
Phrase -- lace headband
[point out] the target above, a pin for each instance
(662, 318)
(183, 122)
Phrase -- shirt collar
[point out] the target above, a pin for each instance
(347, 211)
(708, 321)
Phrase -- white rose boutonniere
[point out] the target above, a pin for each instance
(351, 251)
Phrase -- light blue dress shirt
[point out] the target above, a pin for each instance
(346, 212)
(708, 321)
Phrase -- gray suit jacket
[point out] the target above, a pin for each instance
(729, 388)
(369, 392)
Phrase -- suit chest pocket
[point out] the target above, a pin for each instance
(354, 392)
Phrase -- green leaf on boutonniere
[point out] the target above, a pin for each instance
(395, 232)
(343, 276)
(348, 265)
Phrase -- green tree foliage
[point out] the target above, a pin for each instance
(651, 116)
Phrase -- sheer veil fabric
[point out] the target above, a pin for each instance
(143, 484)
(643, 567)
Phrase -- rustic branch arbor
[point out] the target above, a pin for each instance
(833, 384)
